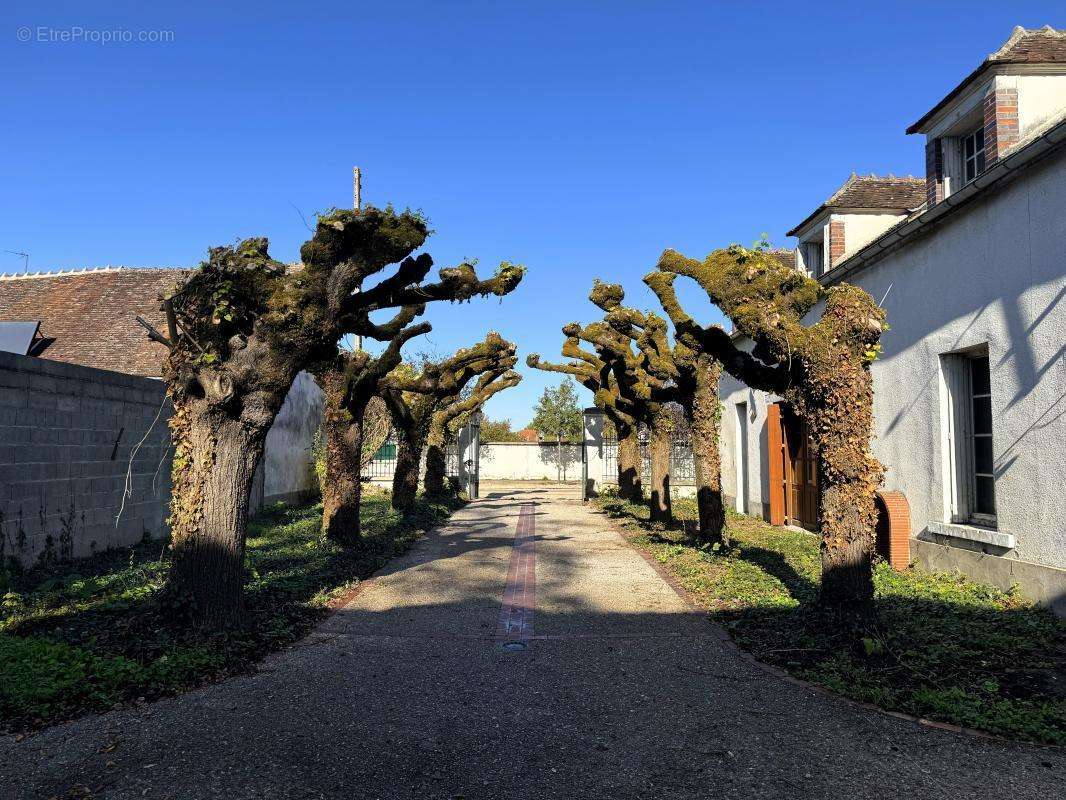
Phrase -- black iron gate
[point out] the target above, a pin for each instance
(461, 460)
(682, 464)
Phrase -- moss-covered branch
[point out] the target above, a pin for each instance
(414, 398)
(820, 369)
(241, 327)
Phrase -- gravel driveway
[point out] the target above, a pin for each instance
(593, 680)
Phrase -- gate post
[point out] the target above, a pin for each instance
(469, 455)
(591, 451)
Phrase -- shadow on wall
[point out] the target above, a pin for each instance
(532, 461)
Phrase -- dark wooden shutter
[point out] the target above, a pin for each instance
(775, 460)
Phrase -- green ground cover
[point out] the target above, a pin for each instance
(88, 635)
(939, 646)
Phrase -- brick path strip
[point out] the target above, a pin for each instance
(519, 597)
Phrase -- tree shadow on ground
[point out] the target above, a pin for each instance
(95, 631)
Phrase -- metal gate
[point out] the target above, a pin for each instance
(460, 458)
(682, 464)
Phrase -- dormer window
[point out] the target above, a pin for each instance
(973, 155)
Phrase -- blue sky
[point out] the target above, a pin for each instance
(577, 138)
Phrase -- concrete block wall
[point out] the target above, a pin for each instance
(66, 436)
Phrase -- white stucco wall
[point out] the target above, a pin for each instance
(861, 229)
(1040, 98)
(529, 461)
(994, 273)
(286, 464)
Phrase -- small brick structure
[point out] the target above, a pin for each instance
(934, 172)
(1001, 122)
(836, 242)
(894, 528)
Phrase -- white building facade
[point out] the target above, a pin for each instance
(970, 390)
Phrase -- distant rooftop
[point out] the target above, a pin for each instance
(87, 316)
(1045, 45)
(888, 193)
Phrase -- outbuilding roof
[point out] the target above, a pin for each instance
(887, 193)
(87, 316)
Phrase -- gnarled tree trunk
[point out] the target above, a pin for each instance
(342, 488)
(660, 434)
(408, 457)
(629, 466)
(436, 459)
(704, 416)
(214, 463)
(849, 475)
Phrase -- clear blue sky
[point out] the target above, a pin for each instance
(578, 138)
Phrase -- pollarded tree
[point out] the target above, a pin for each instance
(445, 420)
(648, 396)
(822, 370)
(240, 328)
(694, 375)
(595, 374)
(413, 399)
(349, 383)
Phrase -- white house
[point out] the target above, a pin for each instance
(970, 391)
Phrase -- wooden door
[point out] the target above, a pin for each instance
(800, 473)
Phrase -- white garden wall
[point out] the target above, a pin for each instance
(530, 461)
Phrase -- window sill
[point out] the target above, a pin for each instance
(973, 534)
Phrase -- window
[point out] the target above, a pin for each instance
(812, 258)
(973, 155)
(970, 483)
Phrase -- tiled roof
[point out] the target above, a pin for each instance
(529, 435)
(89, 314)
(1025, 46)
(875, 192)
(786, 257)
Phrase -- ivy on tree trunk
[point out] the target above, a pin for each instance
(822, 370)
(239, 330)
(350, 382)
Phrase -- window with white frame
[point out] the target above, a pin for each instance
(812, 258)
(969, 456)
(973, 155)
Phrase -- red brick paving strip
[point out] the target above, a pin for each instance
(519, 598)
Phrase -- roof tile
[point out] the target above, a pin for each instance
(89, 315)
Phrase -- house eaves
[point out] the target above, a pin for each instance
(1003, 172)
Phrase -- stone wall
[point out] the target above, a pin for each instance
(66, 437)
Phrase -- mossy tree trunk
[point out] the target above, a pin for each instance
(704, 413)
(822, 370)
(660, 435)
(409, 445)
(629, 466)
(342, 487)
(841, 425)
(214, 463)
(436, 458)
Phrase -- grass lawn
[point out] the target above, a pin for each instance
(87, 635)
(938, 646)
